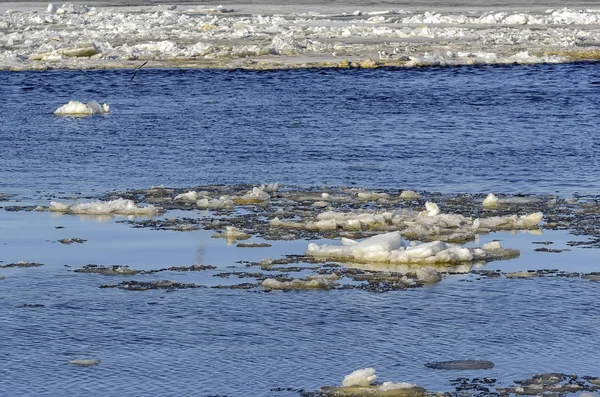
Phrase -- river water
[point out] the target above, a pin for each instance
(513, 129)
(506, 129)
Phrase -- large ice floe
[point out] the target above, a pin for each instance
(390, 248)
(79, 36)
(428, 225)
(113, 207)
(76, 108)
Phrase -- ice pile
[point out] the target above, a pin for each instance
(318, 282)
(390, 248)
(114, 207)
(76, 108)
(363, 382)
(223, 202)
(232, 233)
(427, 225)
(77, 36)
(360, 377)
(259, 193)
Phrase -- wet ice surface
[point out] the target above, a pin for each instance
(238, 342)
(473, 129)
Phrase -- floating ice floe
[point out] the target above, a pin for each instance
(232, 233)
(114, 207)
(85, 362)
(75, 108)
(318, 282)
(410, 195)
(362, 382)
(427, 225)
(223, 202)
(389, 248)
(256, 194)
(190, 196)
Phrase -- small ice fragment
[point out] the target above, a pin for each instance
(394, 386)
(409, 195)
(492, 246)
(431, 209)
(491, 201)
(189, 196)
(428, 275)
(51, 8)
(360, 377)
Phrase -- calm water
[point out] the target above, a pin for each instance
(205, 342)
(511, 129)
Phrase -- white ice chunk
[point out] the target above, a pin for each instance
(409, 195)
(257, 193)
(388, 248)
(190, 196)
(360, 377)
(79, 108)
(385, 386)
(431, 209)
(491, 201)
(119, 206)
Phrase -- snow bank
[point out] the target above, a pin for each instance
(75, 108)
(115, 207)
(389, 248)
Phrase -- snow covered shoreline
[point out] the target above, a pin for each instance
(76, 36)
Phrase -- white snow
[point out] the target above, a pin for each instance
(74, 108)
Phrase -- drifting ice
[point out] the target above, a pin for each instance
(389, 248)
(79, 108)
(114, 207)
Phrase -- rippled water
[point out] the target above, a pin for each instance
(510, 129)
(473, 129)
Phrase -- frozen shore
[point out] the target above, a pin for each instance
(261, 36)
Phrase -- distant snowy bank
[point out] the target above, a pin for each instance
(77, 36)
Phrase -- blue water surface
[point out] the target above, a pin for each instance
(529, 129)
